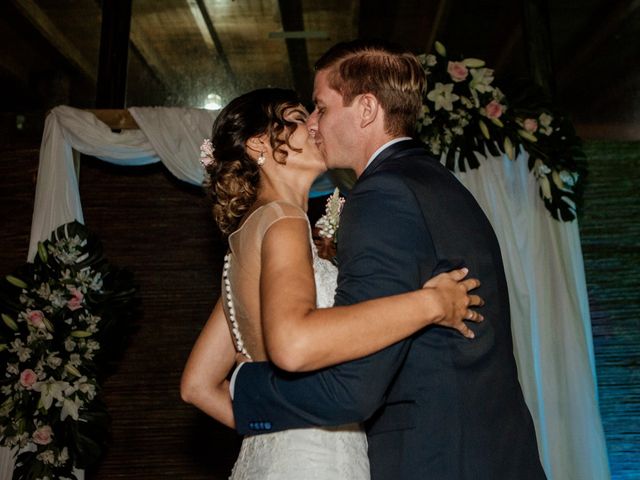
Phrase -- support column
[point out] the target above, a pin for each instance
(114, 49)
(293, 21)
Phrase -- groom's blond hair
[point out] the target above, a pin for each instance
(395, 77)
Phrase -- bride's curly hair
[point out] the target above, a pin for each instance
(233, 177)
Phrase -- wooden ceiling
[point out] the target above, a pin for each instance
(183, 50)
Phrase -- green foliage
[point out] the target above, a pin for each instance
(466, 118)
(65, 318)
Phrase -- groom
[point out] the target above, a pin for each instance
(437, 405)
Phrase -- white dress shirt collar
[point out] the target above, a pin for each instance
(379, 150)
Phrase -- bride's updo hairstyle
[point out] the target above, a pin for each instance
(233, 176)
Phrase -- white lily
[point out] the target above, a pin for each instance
(443, 97)
(18, 347)
(50, 390)
(70, 408)
(482, 79)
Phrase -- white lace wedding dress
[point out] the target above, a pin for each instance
(310, 453)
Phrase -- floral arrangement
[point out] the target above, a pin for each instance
(465, 116)
(62, 316)
(328, 223)
(206, 153)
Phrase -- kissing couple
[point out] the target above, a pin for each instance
(388, 367)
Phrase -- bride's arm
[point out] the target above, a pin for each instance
(301, 337)
(204, 380)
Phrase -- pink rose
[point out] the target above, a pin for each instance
(457, 71)
(36, 318)
(28, 377)
(494, 109)
(43, 435)
(530, 125)
(76, 300)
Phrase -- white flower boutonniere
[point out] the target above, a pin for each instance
(328, 223)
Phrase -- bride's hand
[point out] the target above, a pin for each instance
(452, 289)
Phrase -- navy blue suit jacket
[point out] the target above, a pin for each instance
(436, 405)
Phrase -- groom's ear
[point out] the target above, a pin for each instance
(369, 108)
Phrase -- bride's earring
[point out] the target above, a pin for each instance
(261, 159)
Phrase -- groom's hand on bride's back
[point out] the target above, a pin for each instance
(453, 297)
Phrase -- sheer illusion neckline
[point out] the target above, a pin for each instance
(247, 219)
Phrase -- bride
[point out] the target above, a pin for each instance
(276, 290)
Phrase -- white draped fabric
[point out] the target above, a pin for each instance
(550, 318)
(543, 261)
(170, 135)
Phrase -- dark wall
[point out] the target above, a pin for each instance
(160, 229)
(610, 230)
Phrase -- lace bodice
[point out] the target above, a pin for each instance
(326, 277)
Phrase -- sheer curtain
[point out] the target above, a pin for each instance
(170, 135)
(550, 318)
(543, 262)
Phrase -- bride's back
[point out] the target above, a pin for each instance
(243, 275)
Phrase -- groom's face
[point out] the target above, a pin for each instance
(333, 125)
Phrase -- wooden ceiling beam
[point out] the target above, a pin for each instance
(203, 15)
(149, 56)
(153, 71)
(293, 21)
(39, 19)
(196, 12)
(115, 119)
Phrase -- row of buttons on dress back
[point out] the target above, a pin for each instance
(235, 330)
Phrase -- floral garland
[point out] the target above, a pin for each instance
(61, 317)
(464, 116)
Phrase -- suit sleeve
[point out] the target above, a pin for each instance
(381, 231)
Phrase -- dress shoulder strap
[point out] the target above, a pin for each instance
(252, 231)
(273, 212)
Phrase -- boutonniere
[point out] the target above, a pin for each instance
(326, 228)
